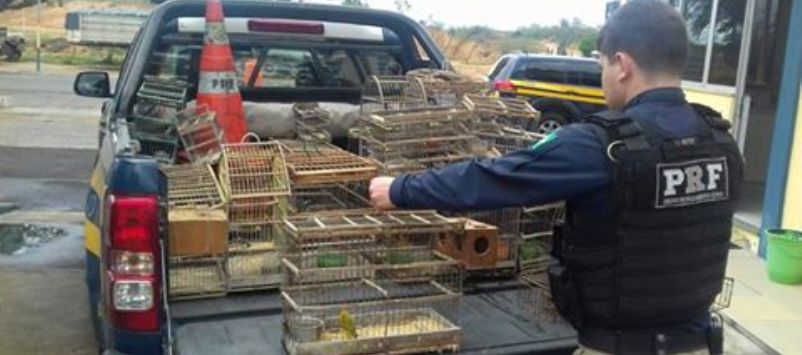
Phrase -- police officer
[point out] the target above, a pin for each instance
(649, 186)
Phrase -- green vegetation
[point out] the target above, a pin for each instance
(532, 38)
(56, 50)
(355, 3)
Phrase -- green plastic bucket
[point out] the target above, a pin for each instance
(784, 256)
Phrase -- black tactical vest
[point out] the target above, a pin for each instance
(661, 260)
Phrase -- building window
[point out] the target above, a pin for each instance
(713, 55)
(727, 42)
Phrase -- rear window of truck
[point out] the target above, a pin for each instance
(572, 72)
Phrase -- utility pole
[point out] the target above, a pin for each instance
(38, 36)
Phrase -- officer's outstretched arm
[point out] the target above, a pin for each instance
(568, 163)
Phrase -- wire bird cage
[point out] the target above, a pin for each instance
(508, 112)
(154, 124)
(192, 186)
(325, 198)
(383, 93)
(314, 164)
(539, 221)
(505, 139)
(198, 232)
(311, 114)
(724, 297)
(416, 139)
(196, 278)
(534, 297)
(365, 282)
(306, 231)
(445, 88)
(363, 317)
(311, 122)
(200, 135)
(256, 184)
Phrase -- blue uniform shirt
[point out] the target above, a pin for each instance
(570, 164)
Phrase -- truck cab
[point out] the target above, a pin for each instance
(284, 53)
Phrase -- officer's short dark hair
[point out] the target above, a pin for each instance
(650, 31)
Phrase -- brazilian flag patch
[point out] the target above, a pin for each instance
(545, 142)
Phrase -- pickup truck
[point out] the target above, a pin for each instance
(126, 229)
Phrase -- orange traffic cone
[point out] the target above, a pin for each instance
(217, 85)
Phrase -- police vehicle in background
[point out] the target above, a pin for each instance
(563, 89)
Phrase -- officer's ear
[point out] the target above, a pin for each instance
(626, 66)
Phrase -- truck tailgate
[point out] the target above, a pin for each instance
(251, 324)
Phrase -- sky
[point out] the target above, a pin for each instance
(498, 14)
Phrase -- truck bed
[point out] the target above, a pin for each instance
(251, 324)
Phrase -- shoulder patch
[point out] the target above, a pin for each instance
(545, 142)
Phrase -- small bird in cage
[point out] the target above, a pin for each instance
(348, 324)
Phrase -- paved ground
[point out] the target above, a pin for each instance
(47, 148)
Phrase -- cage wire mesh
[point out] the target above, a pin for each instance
(158, 101)
(200, 135)
(369, 282)
(192, 186)
(329, 197)
(256, 183)
(378, 324)
(509, 112)
(198, 232)
(314, 164)
(416, 139)
(196, 278)
(505, 139)
(534, 298)
(539, 221)
(383, 93)
(445, 88)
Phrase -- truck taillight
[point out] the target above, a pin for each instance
(133, 262)
(503, 85)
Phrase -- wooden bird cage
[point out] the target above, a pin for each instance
(200, 135)
(192, 186)
(510, 112)
(314, 164)
(445, 88)
(382, 93)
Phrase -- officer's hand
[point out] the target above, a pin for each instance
(380, 193)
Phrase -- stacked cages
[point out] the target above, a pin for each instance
(507, 112)
(390, 93)
(311, 122)
(154, 120)
(198, 232)
(445, 88)
(413, 140)
(256, 184)
(364, 282)
(200, 134)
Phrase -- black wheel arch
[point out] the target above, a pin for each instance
(564, 108)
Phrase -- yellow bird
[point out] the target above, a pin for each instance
(348, 324)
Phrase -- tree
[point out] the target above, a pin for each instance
(403, 6)
(355, 3)
(587, 45)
